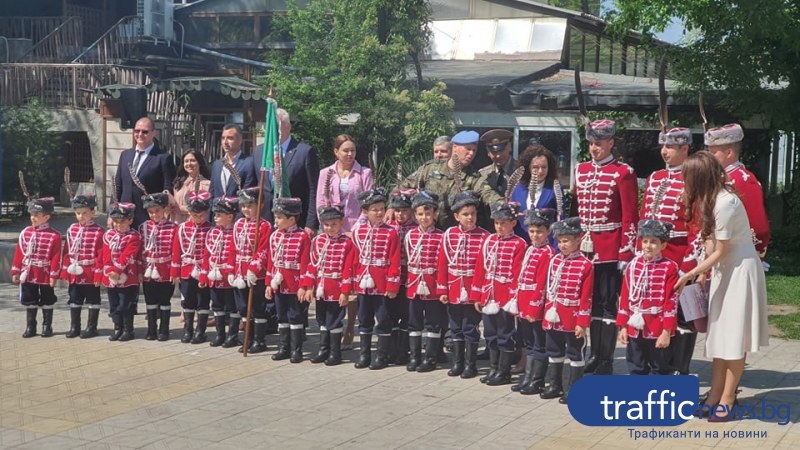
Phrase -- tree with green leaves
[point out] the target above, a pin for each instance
(352, 59)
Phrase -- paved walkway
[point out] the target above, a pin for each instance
(72, 393)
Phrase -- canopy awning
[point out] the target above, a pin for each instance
(233, 87)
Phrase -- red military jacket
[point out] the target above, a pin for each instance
(607, 200)
(378, 249)
(83, 249)
(121, 256)
(402, 230)
(288, 255)
(37, 258)
(187, 249)
(331, 269)
(497, 269)
(244, 236)
(647, 288)
(670, 209)
(532, 281)
(219, 258)
(568, 288)
(422, 248)
(157, 243)
(458, 256)
(749, 190)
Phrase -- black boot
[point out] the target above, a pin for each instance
(220, 322)
(297, 335)
(494, 357)
(152, 324)
(127, 327)
(609, 344)
(200, 333)
(431, 354)
(188, 326)
(415, 346)
(259, 344)
(470, 360)
(47, 322)
(503, 375)
(682, 345)
(283, 344)
(74, 322)
(536, 383)
(555, 372)
(575, 374)
(365, 357)
(232, 339)
(459, 351)
(30, 327)
(382, 358)
(595, 332)
(335, 357)
(91, 324)
(324, 347)
(117, 329)
(484, 355)
(401, 349)
(163, 326)
(525, 379)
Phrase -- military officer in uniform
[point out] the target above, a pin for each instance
(498, 147)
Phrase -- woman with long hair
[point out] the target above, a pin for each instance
(737, 309)
(539, 163)
(192, 168)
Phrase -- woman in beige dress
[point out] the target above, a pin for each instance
(193, 167)
(737, 309)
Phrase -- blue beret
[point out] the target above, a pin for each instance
(466, 137)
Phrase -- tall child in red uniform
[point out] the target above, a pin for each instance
(648, 305)
(568, 304)
(219, 258)
(157, 236)
(187, 256)
(121, 269)
(37, 264)
(426, 312)
(458, 255)
(403, 222)
(377, 278)
(287, 261)
(81, 267)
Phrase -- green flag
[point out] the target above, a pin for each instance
(271, 158)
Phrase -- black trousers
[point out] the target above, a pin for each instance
(426, 315)
(222, 301)
(605, 295)
(289, 309)
(534, 339)
(195, 297)
(158, 293)
(122, 301)
(564, 343)
(499, 330)
(83, 293)
(259, 310)
(330, 316)
(31, 294)
(373, 315)
(398, 310)
(644, 358)
(464, 321)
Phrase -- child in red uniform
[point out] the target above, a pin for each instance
(218, 262)
(80, 267)
(458, 255)
(157, 236)
(530, 301)
(568, 305)
(187, 256)
(377, 277)
(403, 222)
(497, 268)
(121, 269)
(648, 304)
(36, 266)
(329, 280)
(288, 259)
(426, 311)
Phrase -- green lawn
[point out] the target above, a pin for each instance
(783, 288)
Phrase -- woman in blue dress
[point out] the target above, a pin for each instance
(540, 161)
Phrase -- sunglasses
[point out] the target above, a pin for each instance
(145, 132)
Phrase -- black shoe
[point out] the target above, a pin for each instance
(116, 334)
(297, 336)
(335, 357)
(127, 328)
(431, 354)
(91, 324)
(415, 347)
(47, 322)
(74, 322)
(458, 359)
(200, 333)
(259, 344)
(494, 357)
(163, 327)
(536, 383)
(30, 328)
(470, 360)
(525, 379)
(595, 336)
(554, 389)
(188, 326)
(382, 358)
(232, 338)
(365, 355)
(152, 324)
(324, 347)
(283, 344)
(503, 374)
(219, 324)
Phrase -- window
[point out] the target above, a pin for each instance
(236, 29)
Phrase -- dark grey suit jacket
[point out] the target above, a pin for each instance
(156, 173)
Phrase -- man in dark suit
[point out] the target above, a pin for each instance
(222, 183)
(154, 167)
(301, 169)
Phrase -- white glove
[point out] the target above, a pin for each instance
(622, 265)
(252, 279)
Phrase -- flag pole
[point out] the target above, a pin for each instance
(259, 204)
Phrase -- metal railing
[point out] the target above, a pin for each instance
(115, 45)
(33, 28)
(61, 45)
